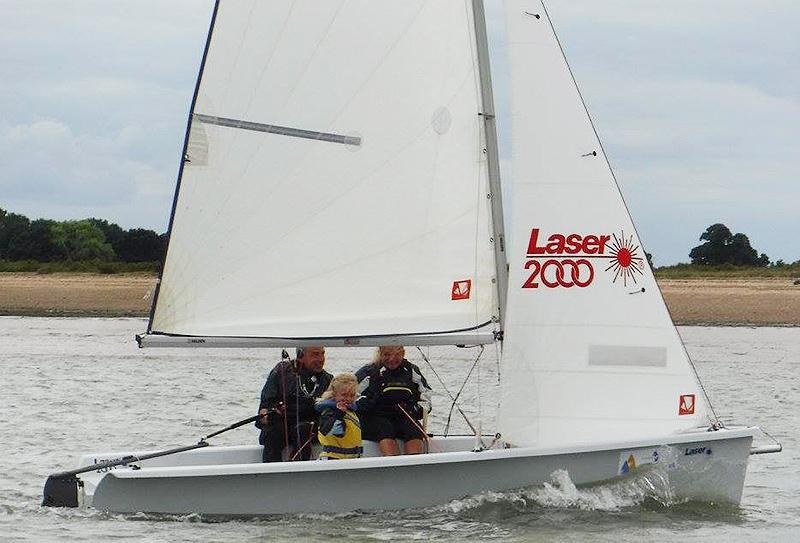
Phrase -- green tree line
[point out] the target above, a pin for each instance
(98, 245)
(44, 240)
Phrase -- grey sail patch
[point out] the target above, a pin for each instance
(624, 355)
(197, 149)
(279, 130)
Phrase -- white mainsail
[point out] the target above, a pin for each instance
(335, 182)
(590, 352)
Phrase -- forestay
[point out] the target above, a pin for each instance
(590, 352)
(334, 182)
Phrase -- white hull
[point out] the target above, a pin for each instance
(706, 466)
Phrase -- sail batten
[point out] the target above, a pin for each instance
(279, 130)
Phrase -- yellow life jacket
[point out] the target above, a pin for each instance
(346, 446)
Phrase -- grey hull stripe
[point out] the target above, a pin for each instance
(280, 130)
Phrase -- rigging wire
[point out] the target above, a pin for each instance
(479, 445)
(296, 407)
(770, 436)
(427, 439)
(716, 423)
(454, 405)
(285, 358)
(499, 383)
(306, 444)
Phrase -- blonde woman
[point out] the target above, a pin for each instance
(394, 399)
(339, 426)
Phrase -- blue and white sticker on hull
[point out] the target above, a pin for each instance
(631, 460)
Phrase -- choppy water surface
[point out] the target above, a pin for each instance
(70, 386)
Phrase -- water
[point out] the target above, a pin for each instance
(69, 386)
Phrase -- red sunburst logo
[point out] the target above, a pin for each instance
(625, 259)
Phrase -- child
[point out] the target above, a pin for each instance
(339, 427)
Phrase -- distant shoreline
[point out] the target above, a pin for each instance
(692, 302)
(771, 301)
(76, 294)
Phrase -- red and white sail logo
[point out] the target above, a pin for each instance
(461, 289)
(686, 405)
(569, 260)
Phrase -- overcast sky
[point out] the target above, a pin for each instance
(697, 104)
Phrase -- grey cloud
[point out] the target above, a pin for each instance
(93, 104)
(698, 106)
(696, 103)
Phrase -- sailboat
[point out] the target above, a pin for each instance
(340, 186)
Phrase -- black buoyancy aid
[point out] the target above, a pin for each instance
(298, 388)
(395, 386)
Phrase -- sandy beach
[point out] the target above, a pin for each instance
(733, 302)
(76, 295)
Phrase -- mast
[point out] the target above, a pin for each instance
(492, 157)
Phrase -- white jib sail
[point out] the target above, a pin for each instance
(335, 183)
(590, 352)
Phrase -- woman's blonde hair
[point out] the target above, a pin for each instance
(340, 382)
(376, 358)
